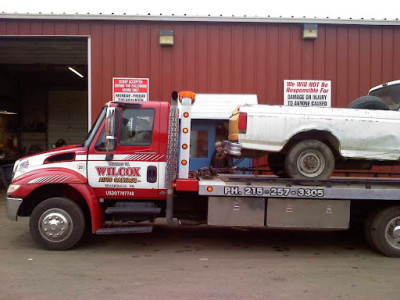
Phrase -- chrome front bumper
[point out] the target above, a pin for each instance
(12, 206)
(232, 148)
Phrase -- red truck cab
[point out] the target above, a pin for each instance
(58, 186)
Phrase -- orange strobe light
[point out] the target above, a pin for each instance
(187, 94)
(186, 114)
(184, 146)
(185, 130)
(209, 189)
(184, 162)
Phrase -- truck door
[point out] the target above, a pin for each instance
(132, 170)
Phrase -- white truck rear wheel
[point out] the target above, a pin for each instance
(310, 159)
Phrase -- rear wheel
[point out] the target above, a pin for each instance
(57, 224)
(385, 231)
(310, 159)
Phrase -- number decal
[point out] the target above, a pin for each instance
(253, 191)
(274, 192)
(312, 193)
(280, 191)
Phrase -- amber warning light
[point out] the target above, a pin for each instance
(209, 189)
(187, 94)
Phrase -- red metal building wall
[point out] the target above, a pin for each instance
(229, 57)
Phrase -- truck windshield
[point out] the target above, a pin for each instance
(95, 128)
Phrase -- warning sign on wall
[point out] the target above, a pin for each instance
(130, 89)
(307, 93)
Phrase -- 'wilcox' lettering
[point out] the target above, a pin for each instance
(101, 171)
(113, 171)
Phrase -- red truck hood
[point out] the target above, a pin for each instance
(48, 158)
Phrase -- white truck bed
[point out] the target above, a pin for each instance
(362, 134)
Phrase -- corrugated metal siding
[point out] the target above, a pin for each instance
(230, 57)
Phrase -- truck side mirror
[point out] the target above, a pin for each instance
(111, 128)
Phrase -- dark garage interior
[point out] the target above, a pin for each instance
(41, 99)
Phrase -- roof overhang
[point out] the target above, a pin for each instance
(188, 18)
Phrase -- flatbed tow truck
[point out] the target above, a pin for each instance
(118, 186)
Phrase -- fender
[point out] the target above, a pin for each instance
(44, 176)
(96, 211)
(40, 177)
(324, 130)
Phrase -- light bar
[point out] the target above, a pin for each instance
(184, 142)
(76, 72)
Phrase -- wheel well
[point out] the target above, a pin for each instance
(360, 209)
(321, 135)
(49, 191)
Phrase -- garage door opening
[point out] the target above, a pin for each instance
(43, 94)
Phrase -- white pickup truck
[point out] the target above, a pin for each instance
(309, 143)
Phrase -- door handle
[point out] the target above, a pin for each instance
(151, 174)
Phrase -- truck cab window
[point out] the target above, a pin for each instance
(136, 127)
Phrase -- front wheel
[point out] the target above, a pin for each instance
(57, 224)
(310, 159)
(385, 231)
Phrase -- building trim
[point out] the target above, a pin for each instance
(219, 19)
(89, 82)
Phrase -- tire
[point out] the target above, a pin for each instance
(385, 231)
(276, 162)
(310, 159)
(367, 228)
(57, 224)
(369, 102)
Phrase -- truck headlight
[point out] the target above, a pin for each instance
(12, 188)
(20, 166)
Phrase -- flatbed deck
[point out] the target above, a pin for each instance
(339, 188)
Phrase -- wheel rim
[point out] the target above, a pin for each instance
(55, 225)
(311, 163)
(392, 233)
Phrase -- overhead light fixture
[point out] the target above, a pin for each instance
(4, 112)
(76, 72)
(166, 37)
(310, 31)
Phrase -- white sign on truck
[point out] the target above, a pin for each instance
(130, 89)
(307, 93)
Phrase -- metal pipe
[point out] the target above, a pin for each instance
(169, 214)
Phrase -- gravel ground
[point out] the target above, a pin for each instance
(196, 263)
